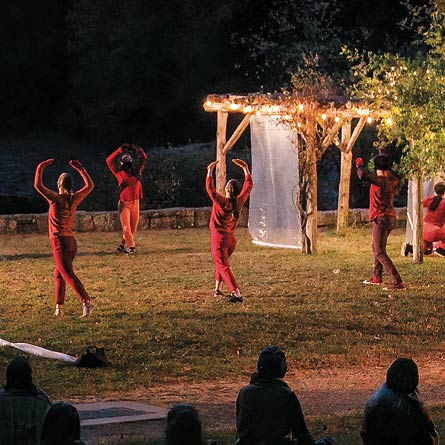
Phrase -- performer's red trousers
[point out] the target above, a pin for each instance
(64, 251)
(221, 249)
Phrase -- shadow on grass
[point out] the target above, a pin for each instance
(25, 256)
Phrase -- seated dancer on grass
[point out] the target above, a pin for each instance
(384, 186)
(131, 160)
(62, 208)
(22, 405)
(394, 414)
(434, 220)
(223, 220)
(267, 410)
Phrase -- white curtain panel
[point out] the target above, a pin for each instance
(274, 219)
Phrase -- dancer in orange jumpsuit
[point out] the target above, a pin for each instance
(128, 176)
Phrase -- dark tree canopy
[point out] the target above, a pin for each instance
(109, 71)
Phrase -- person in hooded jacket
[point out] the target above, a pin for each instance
(61, 426)
(394, 415)
(22, 405)
(183, 426)
(267, 411)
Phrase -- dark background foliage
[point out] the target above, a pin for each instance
(80, 77)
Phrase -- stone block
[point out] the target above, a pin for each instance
(25, 224)
(202, 216)
(327, 218)
(84, 222)
(144, 221)
(42, 222)
(3, 224)
(160, 221)
(104, 221)
(12, 225)
(185, 217)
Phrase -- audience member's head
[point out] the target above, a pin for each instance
(19, 374)
(183, 426)
(382, 162)
(271, 363)
(402, 376)
(61, 425)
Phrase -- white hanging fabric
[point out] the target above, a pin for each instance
(274, 219)
(37, 350)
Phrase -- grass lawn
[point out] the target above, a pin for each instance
(158, 322)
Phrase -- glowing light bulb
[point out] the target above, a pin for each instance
(209, 103)
(234, 106)
(323, 116)
(258, 113)
(247, 109)
(336, 119)
(388, 120)
(369, 120)
(299, 125)
(301, 107)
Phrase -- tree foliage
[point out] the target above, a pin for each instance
(408, 91)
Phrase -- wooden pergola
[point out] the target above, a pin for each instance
(319, 123)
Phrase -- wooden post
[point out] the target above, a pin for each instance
(310, 245)
(221, 135)
(345, 178)
(417, 219)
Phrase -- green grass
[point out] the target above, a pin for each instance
(156, 318)
(158, 322)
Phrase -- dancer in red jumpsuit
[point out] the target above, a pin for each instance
(128, 177)
(62, 208)
(384, 186)
(223, 220)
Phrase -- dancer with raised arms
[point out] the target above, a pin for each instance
(223, 221)
(62, 208)
(127, 163)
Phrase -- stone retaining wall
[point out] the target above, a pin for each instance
(174, 218)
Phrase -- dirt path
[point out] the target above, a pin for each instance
(321, 392)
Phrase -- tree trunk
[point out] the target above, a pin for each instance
(417, 219)
(344, 191)
(311, 230)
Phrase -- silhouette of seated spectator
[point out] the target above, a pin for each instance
(22, 405)
(61, 426)
(267, 411)
(183, 426)
(394, 415)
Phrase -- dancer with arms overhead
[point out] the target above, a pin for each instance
(128, 174)
(62, 208)
(223, 221)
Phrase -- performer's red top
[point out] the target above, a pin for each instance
(222, 221)
(62, 208)
(434, 217)
(130, 186)
(381, 193)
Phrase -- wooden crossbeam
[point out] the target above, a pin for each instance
(329, 138)
(236, 134)
(355, 134)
